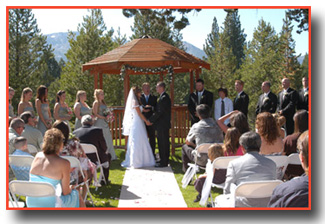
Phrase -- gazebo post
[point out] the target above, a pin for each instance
(173, 114)
(191, 81)
(101, 80)
(126, 86)
(95, 73)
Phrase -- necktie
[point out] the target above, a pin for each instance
(199, 99)
(147, 97)
(222, 108)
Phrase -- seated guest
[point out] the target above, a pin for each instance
(21, 172)
(290, 142)
(15, 129)
(250, 167)
(237, 119)
(214, 152)
(32, 134)
(267, 128)
(294, 193)
(280, 122)
(72, 147)
(90, 134)
(231, 145)
(49, 167)
(205, 131)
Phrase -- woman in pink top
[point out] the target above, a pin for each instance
(231, 144)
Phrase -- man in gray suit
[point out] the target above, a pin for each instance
(250, 167)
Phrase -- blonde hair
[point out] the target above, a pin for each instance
(80, 93)
(24, 92)
(96, 97)
(53, 140)
(215, 151)
(280, 120)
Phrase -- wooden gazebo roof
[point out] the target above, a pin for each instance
(145, 52)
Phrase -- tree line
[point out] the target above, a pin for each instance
(268, 56)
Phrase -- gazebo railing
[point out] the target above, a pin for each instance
(180, 122)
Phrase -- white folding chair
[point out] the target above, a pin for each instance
(20, 166)
(32, 149)
(90, 148)
(281, 164)
(293, 159)
(193, 168)
(219, 163)
(31, 189)
(249, 190)
(75, 163)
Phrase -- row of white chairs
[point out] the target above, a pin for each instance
(26, 161)
(222, 163)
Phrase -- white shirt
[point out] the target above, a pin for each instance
(266, 94)
(199, 96)
(228, 108)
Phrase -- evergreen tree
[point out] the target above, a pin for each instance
(290, 66)
(261, 64)
(119, 40)
(30, 57)
(305, 67)
(93, 41)
(212, 40)
(301, 16)
(237, 37)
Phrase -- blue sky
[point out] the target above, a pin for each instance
(195, 33)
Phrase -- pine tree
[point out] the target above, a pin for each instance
(212, 40)
(290, 66)
(237, 37)
(261, 64)
(30, 57)
(301, 16)
(93, 41)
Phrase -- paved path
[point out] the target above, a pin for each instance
(150, 187)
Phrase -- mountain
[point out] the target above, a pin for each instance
(60, 44)
(195, 51)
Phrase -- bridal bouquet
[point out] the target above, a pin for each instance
(109, 114)
(69, 110)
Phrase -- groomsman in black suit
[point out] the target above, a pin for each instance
(90, 134)
(161, 120)
(241, 101)
(287, 101)
(149, 103)
(303, 95)
(267, 102)
(201, 96)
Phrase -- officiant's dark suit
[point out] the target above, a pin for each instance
(267, 104)
(161, 121)
(287, 104)
(151, 100)
(94, 135)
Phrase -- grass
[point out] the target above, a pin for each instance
(108, 196)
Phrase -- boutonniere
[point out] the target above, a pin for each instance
(285, 93)
(265, 99)
(306, 93)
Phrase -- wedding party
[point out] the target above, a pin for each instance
(142, 123)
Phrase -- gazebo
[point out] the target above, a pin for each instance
(147, 56)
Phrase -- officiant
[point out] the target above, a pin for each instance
(149, 102)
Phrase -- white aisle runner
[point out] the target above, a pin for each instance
(150, 187)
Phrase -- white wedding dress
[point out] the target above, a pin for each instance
(139, 153)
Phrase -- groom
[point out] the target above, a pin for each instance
(161, 121)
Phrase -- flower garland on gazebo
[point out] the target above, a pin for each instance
(166, 68)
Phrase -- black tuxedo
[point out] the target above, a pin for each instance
(207, 98)
(94, 135)
(241, 103)
(161, 120)
(152, 101)
(287, 103)
(268, 104)
(303, 100)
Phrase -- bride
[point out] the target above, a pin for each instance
(139, 153)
